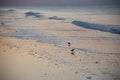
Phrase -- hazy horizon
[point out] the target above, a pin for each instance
(57, 2)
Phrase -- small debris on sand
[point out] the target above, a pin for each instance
(88, 77)
(45, 73)
(76, 72)
(96, 62)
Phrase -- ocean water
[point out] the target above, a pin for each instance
(61, 24)
(85, 10)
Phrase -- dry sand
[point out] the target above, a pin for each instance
(31, 60)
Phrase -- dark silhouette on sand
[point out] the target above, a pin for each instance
(115, 29)
(72, 50)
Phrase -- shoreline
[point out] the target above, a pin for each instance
(27, 50)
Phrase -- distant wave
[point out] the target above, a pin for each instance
(4, 12)
(115, 29)
(56, 18)
(37, 15)
(11, 10)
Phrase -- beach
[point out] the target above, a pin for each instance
(34, 43)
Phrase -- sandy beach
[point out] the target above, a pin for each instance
(37, 48)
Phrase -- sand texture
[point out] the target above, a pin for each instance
(45, 45)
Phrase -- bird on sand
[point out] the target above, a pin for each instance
(69, 44)
(72, 51)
